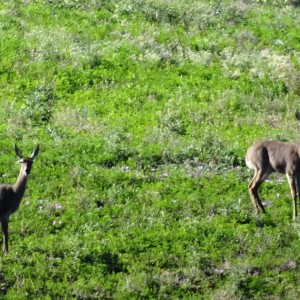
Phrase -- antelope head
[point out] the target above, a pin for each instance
(26, 162)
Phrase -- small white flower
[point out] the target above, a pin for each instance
(58, 206)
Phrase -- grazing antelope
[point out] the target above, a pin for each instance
(266, 157)
(11, 195)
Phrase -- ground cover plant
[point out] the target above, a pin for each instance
(143, 111)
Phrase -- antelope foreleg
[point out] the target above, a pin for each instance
(4, 225)
(293, 182)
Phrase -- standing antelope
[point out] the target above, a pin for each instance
(11, 195)
(266, 157)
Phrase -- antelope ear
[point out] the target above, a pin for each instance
(35, 152)
(18, 152)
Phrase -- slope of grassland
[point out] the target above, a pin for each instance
(144, 111)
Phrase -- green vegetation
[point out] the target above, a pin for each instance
(144, 111)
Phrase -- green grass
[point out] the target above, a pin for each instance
(144, 111)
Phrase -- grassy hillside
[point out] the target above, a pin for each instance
(144, 111)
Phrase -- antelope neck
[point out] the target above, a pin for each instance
(20, 184)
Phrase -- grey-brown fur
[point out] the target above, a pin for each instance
(11, 195)
(266, 157)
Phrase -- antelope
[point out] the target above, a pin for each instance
(266, 157)
(11, 195)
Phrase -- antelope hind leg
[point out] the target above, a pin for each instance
(253, 187)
